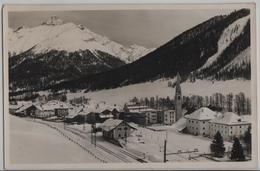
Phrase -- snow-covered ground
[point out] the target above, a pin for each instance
(151, 142)
(33, 143)
(122, 95)
(147, 143)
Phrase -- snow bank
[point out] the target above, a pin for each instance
(33, 143)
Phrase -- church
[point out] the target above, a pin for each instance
(178, 98)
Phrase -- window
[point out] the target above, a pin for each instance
(240, 127)
(119, 135)
(125, 128)
(203, 122)
(118, 129)
(203, 128)
(231, 128)
(230, 132)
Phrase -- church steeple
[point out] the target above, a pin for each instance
(178, 98)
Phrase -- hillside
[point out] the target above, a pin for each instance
(186, 53)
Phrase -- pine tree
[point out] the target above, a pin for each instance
(237, 152)
(217, 146)
(248, 139)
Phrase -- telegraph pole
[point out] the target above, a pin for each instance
(125, 130)
(164, 152)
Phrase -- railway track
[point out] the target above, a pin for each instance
(118, 155)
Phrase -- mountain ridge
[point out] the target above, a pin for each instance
(54, 34)
(185, 53)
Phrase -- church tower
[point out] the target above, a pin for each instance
(178, 98)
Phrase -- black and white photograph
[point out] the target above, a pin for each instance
(98, 85)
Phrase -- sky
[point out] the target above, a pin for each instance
(149, 28)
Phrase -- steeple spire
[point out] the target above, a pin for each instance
(178, 97)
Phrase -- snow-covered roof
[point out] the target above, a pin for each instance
(99, 107)
(106, 116)
(74, 112)
(137, 107)
(15, 107)
(140, 109)
(203, 113)
(54, 104)
(110, 124)
(24, 107)
(230, 118)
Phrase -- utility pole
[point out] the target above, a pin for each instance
(164, 152)
(125, 128)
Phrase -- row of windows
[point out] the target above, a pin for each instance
(215, 125)
(196, 122)
(197, 128)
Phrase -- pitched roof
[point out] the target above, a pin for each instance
(203, 113)
(24, 107)
(230, 118)
(54, 104)
(15, 107)
(110, 124)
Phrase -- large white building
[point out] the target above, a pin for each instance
(230, 125)
(198, 122)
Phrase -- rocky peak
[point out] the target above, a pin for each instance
(53, 20)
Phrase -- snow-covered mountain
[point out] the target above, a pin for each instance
(217, 49)
(54, 34)
(212, 50)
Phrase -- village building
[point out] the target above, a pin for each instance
(142, 115)
(198, 122)
(50, 109)
(76, 115)
(14, 107)
(28, 110)
(230, 125)
(168, 117)
(102, 111)
(53, 108)
(115, 129)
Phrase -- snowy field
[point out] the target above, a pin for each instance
(147, 143)
(122, 95)
(33, 143)
(151, 142)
